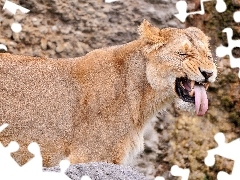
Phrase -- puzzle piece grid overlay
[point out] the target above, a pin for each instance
(227, 150)
(221, 8)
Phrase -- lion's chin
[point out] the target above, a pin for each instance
(184, 106)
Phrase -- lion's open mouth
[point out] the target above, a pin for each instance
(193, 92)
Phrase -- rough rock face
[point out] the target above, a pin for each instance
(73, 28)
(213, 22)
(100, 171)
(58, 28)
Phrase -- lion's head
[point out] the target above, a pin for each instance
(180, 62)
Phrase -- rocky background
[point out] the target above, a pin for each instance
(58, 28)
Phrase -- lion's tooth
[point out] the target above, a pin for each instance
(206, 85)
(192, 84)
(182, 85)
(191, 93)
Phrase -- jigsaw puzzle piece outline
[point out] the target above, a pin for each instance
(10, 169)
(12, 7)
(235, 174)
(180, 172)
(227, 150)
(221, 6)
(159, 178)
(177, 171)
(236, 16)
(182, 14)
(222, 51)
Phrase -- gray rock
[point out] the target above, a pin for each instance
(100, 171)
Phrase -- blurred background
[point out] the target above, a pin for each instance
(60, 28)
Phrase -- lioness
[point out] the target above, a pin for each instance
(95, 107)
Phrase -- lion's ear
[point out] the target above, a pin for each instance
(153, 35)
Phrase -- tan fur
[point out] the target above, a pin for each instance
(95, 108)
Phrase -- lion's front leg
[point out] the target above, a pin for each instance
(111, 151)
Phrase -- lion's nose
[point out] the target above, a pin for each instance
(205, 74)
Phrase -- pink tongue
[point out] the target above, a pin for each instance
(201, 100)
